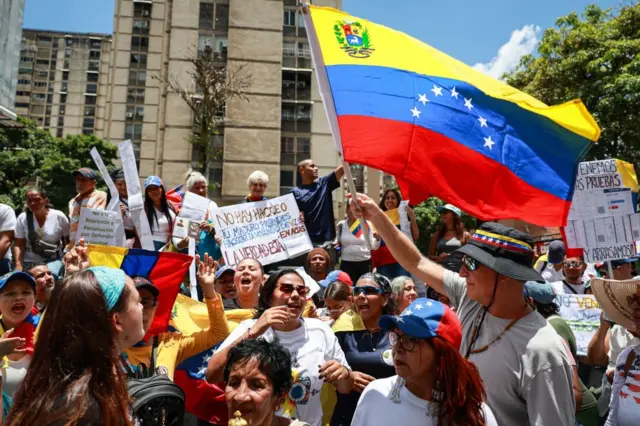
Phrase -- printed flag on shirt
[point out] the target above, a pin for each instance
(356, 229)
(164, 269)
(442, 128)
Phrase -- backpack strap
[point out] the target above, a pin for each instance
(629, 361)
(154, 354)
(33, 236)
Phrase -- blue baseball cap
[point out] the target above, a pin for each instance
(426, 319)
(539, 292)
(556, 252)
(336, 276)
(620, 262)
(449, 207)
(153, 180)
(17, 275)
(86, 172)
(223, 270)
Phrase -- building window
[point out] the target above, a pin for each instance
(50, 99)
(63, 98)
(87, 131)
(134, 113)
(222, 17)
(95, 44)
(135, 95)
(88, 123)
(206, 16)
(141, 10)
(139, 44)
(90, 100)
(94, 54)
(141, 26)
(357, 173)
(65, 75)
(138, 60)
(296, 85)
(215, 178)
(133, 131)
(63, 87)
(287, 181)
(24, 81)
(92, 77)
(92, 88)
(42, 62)
(22, 105)
(90, 111)
(67, 52)
(94, 66)
(294, 149)
(296, 117)
(289, 18)
(137, 78)
(59, 132)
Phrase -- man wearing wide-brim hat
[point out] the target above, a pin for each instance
(523, 363)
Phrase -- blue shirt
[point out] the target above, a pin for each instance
(316, 202)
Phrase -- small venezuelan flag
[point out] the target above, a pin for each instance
(356, 229)
(164, 269)
(442, 128)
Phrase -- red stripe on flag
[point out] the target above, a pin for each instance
(427, 163)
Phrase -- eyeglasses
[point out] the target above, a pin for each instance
(407, 343)
(367, 290)
(572, 264)
(288, 289)
(470, 263)
(149, 302)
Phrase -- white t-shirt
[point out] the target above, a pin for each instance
(310, 345)
(527, 372)
(161, 227)
(56, 226)
(7, 223)
(625, 396)
(619, 340)
(354, 249)
(561, 287)
(375, 407)
(14, 374)
(550, 274)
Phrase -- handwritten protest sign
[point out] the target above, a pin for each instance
(97, 226)
(268, 231)
(582, 313)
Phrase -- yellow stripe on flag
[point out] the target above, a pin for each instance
(108, 256)
(394, 216)
(397, 50)
(628, 173)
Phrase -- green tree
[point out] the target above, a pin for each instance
(32, 156)
(428, 220)
(596, 58)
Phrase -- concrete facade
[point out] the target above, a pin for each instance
(62, 81)
(11, 16)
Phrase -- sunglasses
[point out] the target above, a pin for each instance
(367, 290)
(470, 263)
(289, 288)
(572, 264)
(407, 343)
(148, 303)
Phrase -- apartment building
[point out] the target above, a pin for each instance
(282, 122)
(11, 16)
(62, 80)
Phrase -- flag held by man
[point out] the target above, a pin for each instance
(442, 128)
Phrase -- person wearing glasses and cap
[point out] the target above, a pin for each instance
(121, 185)
(433, 385)
(520, 357)
(88, 196)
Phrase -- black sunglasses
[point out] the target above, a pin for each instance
(367, 290)
(289, 288)
(470, 263)
(572, 264)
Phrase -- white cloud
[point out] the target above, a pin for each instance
(522, 42)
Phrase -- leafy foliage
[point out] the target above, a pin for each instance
(32, 156)
(596, 58)
(213, 86)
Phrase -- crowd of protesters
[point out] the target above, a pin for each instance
(486, 346)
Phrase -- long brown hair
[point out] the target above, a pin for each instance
(458, 225)
(460, 385)
(75, 372)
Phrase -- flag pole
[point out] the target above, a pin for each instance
(330, 108)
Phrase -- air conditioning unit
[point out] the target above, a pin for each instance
(146, 12)
(129, 115)
(140, 113)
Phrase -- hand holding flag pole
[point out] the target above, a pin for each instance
(330, 109)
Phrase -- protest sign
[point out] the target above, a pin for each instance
(269, 231)
(582, 313)
(194, 207)
(114, 204)
(97, 226)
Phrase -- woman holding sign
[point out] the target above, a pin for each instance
(160, 212)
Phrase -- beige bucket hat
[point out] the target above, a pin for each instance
(620, 301)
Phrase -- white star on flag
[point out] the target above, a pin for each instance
(490, 240)
(484, 238)
(407, 312)
(437, 90)
(419, 306)
(423, 99)
(429, 303)
(454, 94)
(467, 103)
(415, 112)
(488, 143)
(483, 121)
(400, 319)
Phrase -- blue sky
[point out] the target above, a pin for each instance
(490, 32)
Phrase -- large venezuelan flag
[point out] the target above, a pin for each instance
(166, 271)
(442, 128)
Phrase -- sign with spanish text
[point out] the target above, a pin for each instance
(97, 226)
(582, 313)
(269, 231)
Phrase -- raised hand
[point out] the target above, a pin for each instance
(278, 315)
(76, 259)
(10, 345)
(206, 273)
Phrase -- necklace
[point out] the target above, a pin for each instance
(476, 330)
(370, 335)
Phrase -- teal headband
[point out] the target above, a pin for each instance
(111, 282)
